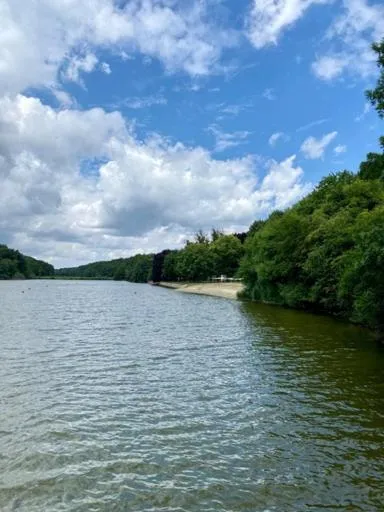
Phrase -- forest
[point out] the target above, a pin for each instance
(326, 253)
(14, 265)
(137, 269)
(200, 259)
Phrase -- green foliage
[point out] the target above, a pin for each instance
(216, 234)
(327, 252)
(226, 252)
(373, 167)
(362, 282)
(195, 262)
(201, 237)
(119, 274)
(137, 269)
(14, 265)
(8, 268)
(169, 271)
(255, 226)
(96, 270)
(38, 268)
(204, 258)
(376, 95)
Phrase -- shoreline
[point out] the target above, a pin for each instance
(226, 290)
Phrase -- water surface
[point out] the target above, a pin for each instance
(122, 397)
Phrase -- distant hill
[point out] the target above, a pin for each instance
(137, 269)
(14, 265)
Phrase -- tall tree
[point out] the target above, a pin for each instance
(376, 95)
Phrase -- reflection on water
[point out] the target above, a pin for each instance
(120, 397)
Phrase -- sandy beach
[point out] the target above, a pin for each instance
(225, 290)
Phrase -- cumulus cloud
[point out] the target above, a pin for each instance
(142, 195)
(314, 148)
(328, 67)
(268, 19)
(43, 34)
(79, 64)
(351, 33)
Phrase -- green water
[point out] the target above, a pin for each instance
(121, 397)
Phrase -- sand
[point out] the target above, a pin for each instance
(225, 290)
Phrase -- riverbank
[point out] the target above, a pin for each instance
(225, 290)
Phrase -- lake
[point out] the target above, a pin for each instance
(122, 397)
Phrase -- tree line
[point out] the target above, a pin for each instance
(137, 269)
(204, 257)
(15, 265)
(200, 259)
(326, 253)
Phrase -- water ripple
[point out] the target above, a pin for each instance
(120, 397)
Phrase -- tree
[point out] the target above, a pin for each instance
(119, 274)
(362, 283)
(201, 237)
(158, 265)
(373, 167)
(8, 268)
(195, 262)
(227, 252)
(13, 264)
(170, 267)
(376, 95)
(216, 234)
(326, 253)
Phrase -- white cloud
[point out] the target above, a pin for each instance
(233, 109)
(268, 19)
(314, 148)
(142, 195)
(269, 94)
(340, 149)
(366, 109)
(37, 37)
(352, 33)
(105, 68)
(79, 64)
(283, 183)
(144, 102)
(228, 140)
(311, 125)
(329, 67)
(63, 97)
(275, 137)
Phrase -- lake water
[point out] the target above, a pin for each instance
(121, 397)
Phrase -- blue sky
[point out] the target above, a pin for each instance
(126, 126)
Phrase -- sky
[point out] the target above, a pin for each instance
(128, 125)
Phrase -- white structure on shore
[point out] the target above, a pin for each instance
(224, 279)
